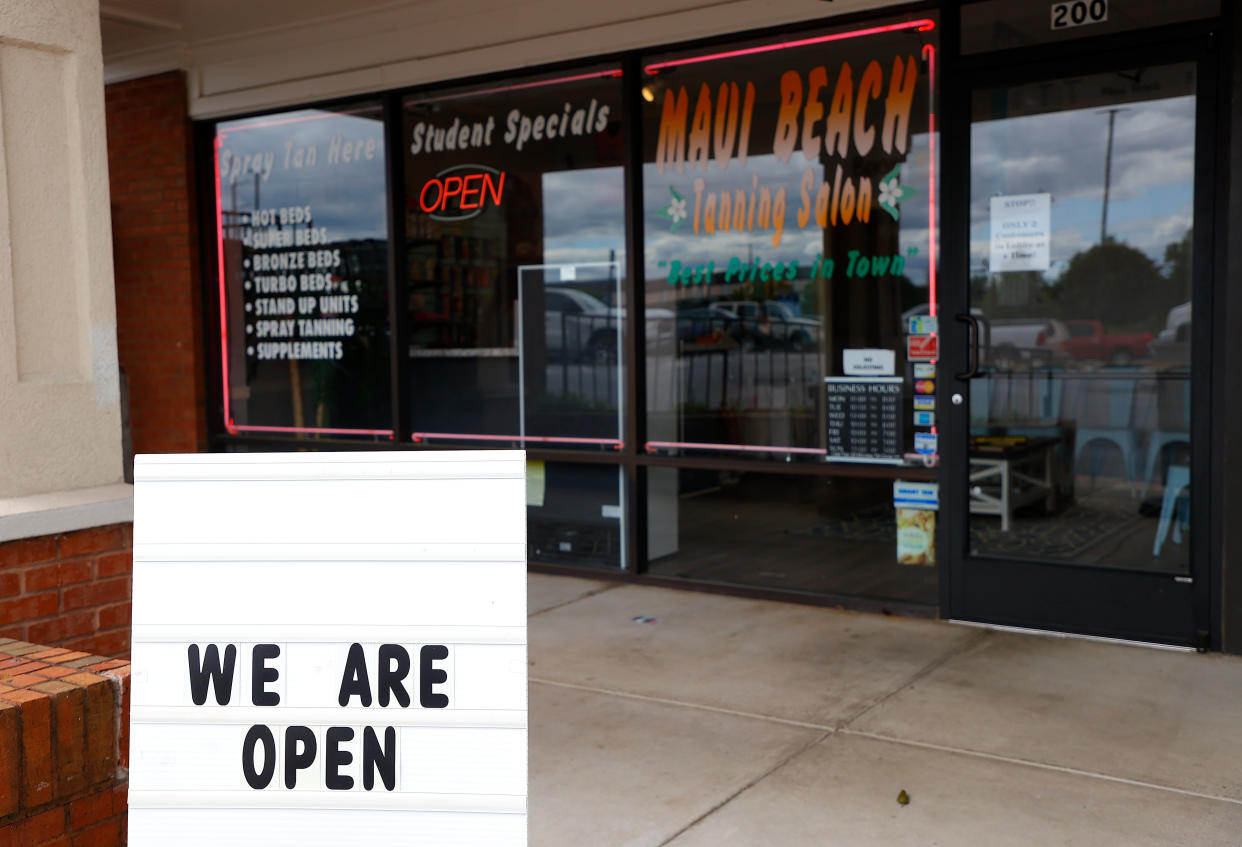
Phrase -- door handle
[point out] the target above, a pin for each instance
(973, 322)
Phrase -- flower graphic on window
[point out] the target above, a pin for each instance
(676, 209)
(892, 192)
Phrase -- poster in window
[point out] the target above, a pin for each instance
(302, 240)
(789, 199)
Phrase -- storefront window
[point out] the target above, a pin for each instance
(805, 533)
(788, 202)
(1081, 271)
(574, 514)
(302, 240)
(515, 234)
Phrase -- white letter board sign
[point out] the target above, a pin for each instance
(328, 649)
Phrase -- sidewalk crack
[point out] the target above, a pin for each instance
(967, 645)
(665, 701)
(1033, 763)
(758, 779)
(609, 587)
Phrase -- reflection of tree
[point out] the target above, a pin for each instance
(1116, 284)
(1177, 264)
(808, 299)
(1112, 282)
(1012, 294)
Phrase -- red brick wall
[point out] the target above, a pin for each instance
(70, 590)
(154, 252)
(64, 747)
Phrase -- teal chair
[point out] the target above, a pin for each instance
(1174, 509)
(1163, 438)
(1118, 428)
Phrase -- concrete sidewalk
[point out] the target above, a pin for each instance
(730, 721)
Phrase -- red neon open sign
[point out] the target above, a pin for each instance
(462, 192)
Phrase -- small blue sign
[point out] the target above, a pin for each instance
(923, 325)
(924, 418)
(916, 495)
(925, 443)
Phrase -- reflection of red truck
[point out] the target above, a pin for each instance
(1089, 341)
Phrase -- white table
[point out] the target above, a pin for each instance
(1013, 477)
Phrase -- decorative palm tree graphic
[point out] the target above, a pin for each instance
(892, 193)
(676, 209)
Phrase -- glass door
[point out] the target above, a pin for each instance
(1075, 483)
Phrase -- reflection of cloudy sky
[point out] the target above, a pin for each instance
(348, 198)
(584, 215)
(1063, 153)
(802, 245)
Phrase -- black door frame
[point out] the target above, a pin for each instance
(1107, 602)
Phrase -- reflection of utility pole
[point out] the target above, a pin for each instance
(1108, 168)
(612, 289)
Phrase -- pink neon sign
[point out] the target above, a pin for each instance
(923, 25)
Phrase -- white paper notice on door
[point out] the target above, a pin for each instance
(1021, 232)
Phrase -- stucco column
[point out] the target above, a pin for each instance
(60, 422)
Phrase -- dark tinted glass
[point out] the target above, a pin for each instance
(515, 233)
(574, 514)
(302, 248)
(779, 531)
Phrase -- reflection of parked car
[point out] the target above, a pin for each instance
(1038, 341)
(773, 323)
(1089, 341)
(1173, 342)
(578, 325)
(707, 325)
